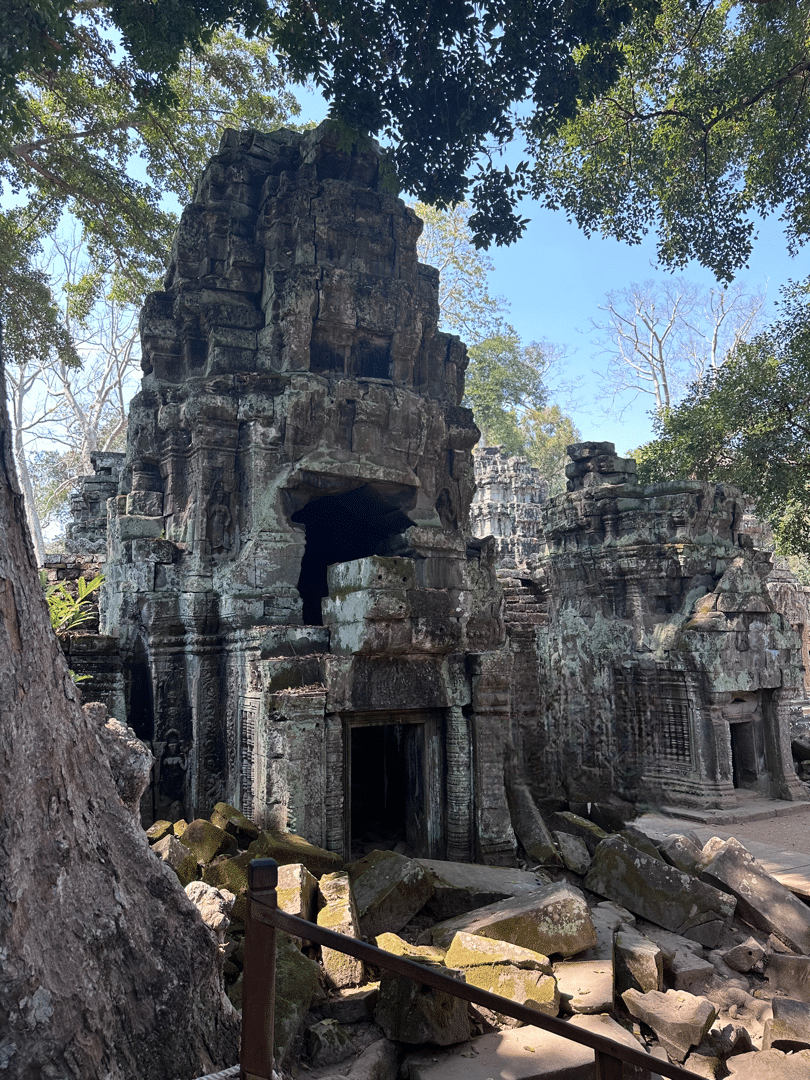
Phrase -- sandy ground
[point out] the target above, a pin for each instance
(790, 832)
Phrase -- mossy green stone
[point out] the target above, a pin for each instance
(289, 848)
(296, 985)
(234, 822)
(158, 830)
(206, 841)
(231, 874)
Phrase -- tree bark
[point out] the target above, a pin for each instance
(106, 969)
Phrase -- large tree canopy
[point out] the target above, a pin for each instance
(441, 84)
(89, 140)
(707, 125)
(748, 423)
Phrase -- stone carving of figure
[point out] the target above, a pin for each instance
(219, 521)
(172, 764)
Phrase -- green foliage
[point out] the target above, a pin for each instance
(707, 124)
(547, 432)
(32, 325)
(67, 612)
(749, 424)
(440, 83)
(89, 133)
(503, 380)
(465, 304)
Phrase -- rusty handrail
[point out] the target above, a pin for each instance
(258, 988)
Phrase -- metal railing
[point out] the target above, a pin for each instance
(259, 985)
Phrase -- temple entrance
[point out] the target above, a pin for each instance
(748, 759)
(340, 528)
(390, 798)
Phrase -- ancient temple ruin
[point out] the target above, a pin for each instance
(298, 615)
(310, 629)
(650, 658)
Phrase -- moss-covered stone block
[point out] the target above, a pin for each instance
(231, 874)
(552, 920)
(297, 980)
(566, 822)
(158, 830)
(205, 840)
(289, 848)
(233, 821)
(501, 968)
(297, 892)
(389, 890)
(178, 857)
(339, 913)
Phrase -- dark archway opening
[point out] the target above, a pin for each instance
(379, 788)
(141, 705)
(340, 528)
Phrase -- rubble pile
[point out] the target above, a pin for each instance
(691, 952)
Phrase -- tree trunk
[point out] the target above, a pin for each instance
(106, 969)
(29, 502)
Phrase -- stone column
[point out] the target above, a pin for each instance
(458, 756)
(491, 672)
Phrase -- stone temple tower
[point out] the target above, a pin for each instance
(309, 628)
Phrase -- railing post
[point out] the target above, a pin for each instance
(259, 974)
(607, 1067)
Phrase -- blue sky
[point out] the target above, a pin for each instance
(555, 278)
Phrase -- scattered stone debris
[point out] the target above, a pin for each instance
(734, 1002)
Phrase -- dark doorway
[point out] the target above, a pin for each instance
(340, 528)
(744, 755)
(386, 787)
(141, 705)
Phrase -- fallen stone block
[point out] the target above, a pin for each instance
(501, 968)
(574, 852)
(639, 963)
(553, 920)
(660, 893)
(684, 964)
(297, 892)
(388, 890)
(339, 914)
(761, 900)
(178, 857)
(412, 1013)
(585, 986)
(526, 1053)
(420, 954)
(214, 906)
(790, 975)
(769, 1065)
(351, 1005)
(789, 1027)
(157, 830)
(745, 956)
(679, 1019)
(527, 822)
(462, 887)
(233, 821)
(682, 853)
(297, 983)
(289, 848)
(567, 822)
(231, 874)
(327, 1043)
(638, 839)
(206, 841)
